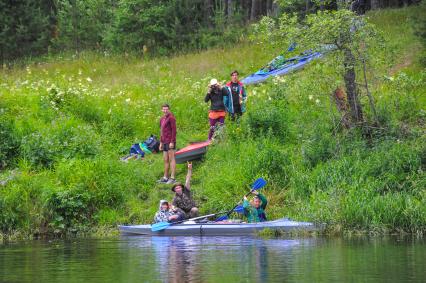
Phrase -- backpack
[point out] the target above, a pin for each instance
(152, 144)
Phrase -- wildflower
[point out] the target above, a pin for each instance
(128, 100)
(317, 101)
(89, 79)
(311, 97)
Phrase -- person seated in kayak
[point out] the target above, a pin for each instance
(165, 214)
(183, 196)
(255, 210)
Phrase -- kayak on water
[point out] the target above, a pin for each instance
(219, 228)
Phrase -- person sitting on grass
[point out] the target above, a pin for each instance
(255, 210)
(165, 214)
(183, 196)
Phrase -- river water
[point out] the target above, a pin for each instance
(215, 259)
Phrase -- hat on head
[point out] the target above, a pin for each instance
(176, 185)
(213, 82)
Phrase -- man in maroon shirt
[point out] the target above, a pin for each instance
(167, 144)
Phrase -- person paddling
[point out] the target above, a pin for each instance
(235, 100)
(255, 210)
(217, 113)
(183, 196)
(165, 214)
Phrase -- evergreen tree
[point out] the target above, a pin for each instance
(25, 28)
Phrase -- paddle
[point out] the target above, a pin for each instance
(258, 184)
(164, 225)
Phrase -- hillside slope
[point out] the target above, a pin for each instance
(65, 123)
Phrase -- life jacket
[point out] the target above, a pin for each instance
(240, 94)
(230, 106)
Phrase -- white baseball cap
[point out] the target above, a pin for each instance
(213, 82)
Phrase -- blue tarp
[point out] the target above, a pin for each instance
(288, 66)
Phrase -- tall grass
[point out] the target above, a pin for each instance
(65, 123)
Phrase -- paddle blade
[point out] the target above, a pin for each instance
(159, 226)
(292, 47)
(222, 218)
(258, 184)
(239, 209)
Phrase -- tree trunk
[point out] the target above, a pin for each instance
(351, 88)
(269, 8)
(254, 10)
(208, 12)
(275, 9)
(245, 6)
(75, 23)
(230, 13)
(306, 6)
(375, 4)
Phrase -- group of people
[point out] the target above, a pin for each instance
(184, 207)
(230, 99)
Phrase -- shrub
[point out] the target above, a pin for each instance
(270, 119)
(68, 209)
(321, 147)
(9, 143)
(65, 138)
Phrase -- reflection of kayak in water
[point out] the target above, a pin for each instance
(279, 66)
(220, 228)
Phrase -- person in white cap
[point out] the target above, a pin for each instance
(165, 214)
(217, 112)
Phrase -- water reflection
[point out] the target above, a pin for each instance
(214, 259)
(208, 259)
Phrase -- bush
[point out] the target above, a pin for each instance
(321, 147)
(65, 138)
(269, 119)
(9, 142)
(69, 209)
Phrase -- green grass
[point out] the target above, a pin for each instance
(65, 123)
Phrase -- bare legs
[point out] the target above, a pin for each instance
(169, 163)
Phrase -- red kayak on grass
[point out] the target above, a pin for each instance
(191, 152)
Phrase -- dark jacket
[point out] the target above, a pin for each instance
(184, 201)
(215, 95)
(168, 129)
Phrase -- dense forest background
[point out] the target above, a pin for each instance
(151, 27)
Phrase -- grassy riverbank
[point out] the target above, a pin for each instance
(65, 123)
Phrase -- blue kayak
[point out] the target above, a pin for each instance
(286, 67)
(221, 228)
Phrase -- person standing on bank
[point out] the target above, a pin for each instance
(235, 101)
(167, 144)
(217, 112)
